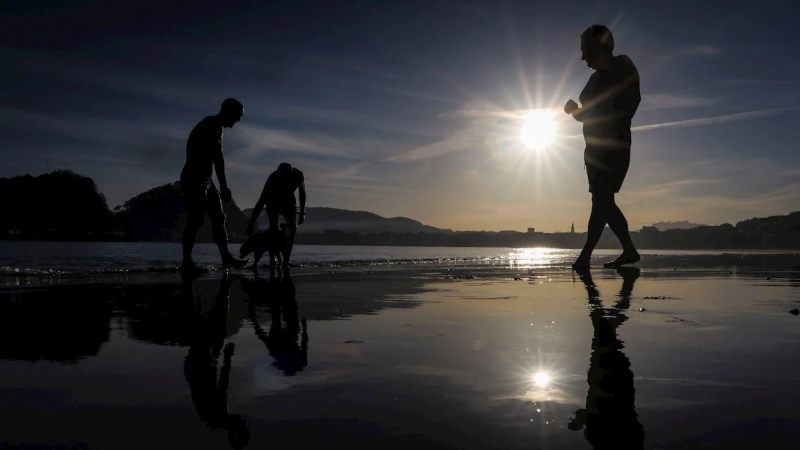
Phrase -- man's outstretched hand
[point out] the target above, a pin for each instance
(570, 107)
(225, 194)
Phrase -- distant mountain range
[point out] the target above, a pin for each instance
(155, 215)
(66, 206)
(321, 219)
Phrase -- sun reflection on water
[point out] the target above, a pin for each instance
(547, 387)
(537, 257)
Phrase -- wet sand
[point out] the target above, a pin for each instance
(429, 356)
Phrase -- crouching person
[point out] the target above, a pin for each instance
(279, 200)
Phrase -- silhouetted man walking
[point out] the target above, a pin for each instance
(203, 156)
(278, 197)
(608, 103)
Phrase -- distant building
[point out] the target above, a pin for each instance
(572, 228)
(531, 230)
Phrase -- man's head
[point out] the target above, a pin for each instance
(596, 42)
(285, 168)
(231, 112)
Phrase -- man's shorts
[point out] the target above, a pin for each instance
(606, 168)
(285, 210)
(201, 195)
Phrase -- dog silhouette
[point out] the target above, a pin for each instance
(273, 242)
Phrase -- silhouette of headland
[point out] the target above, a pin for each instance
(157, 215)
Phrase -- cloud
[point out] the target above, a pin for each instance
(488, 113)
(257, 141)
(700, 50)
(735, 177)
(89, 128)
(672, 101)
(254, 141)
(714, 120)
(757, 82)
(673, 187)
(486, 127)
(299, 113)
(414, 94)
(711, 191)
(713, 209)
(339, 63)
(460, 140)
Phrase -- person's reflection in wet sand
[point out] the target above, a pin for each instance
(609, 420)
(287, 344)
(210, 393)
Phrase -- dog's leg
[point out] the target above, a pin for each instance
(271, 258)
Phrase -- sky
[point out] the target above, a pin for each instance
(410, 108)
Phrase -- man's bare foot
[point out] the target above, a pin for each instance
(624, 258)
(580, 264)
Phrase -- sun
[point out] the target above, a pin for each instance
(539, 129)
(541, 379)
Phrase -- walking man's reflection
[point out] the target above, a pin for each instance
(287, 339)
(209, 391)
(609, 420)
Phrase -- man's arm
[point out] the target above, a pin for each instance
(219, 167)
(302, 202)
(262, 200)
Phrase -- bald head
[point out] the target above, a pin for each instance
(231, 112)
(597, 44)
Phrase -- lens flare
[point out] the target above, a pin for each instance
(541, 379)
(539, 129)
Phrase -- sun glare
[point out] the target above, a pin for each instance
(539, 129)
(541, 379)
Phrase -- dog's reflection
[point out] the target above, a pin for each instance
(287, 338)
(609, 420)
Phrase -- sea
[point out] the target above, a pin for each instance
(60, 258)
(106, 345)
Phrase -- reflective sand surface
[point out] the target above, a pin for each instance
(430, 357)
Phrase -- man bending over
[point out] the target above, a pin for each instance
(279, 200)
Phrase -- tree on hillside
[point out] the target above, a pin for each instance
(159, 215)
(60, 204)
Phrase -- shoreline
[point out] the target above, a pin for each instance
(750, 266)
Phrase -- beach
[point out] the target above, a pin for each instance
(430, 355)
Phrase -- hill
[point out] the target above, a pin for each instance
(682, 225)
(159, 215)
(321, 219)
(57, 205)
(66, 206)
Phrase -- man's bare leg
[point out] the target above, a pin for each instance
(619, 225)
(291, 230)
(193, 223)
(220, 234)
(597, 222)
